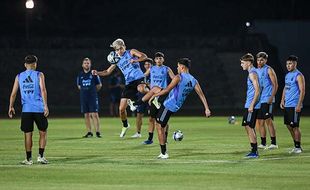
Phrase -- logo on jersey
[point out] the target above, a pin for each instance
(28, 86)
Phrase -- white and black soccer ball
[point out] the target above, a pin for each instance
(113, 58)
(178, 135)
(232, 119)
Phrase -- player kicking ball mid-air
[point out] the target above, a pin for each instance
(179, 88)
(159, 74)
(129, 64)
(34, 107)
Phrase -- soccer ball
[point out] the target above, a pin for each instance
(113, 57)
(177, 135)
(232, 120)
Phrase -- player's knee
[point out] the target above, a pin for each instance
(122, 110)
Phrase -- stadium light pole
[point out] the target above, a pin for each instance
(29, 6)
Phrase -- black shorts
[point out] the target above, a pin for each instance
(130, 91)
(143, 108)
(29, 117)
(249, 119)
(265, 111)
(163, 116)
(291, 117)
(90, 105)
(153, 109)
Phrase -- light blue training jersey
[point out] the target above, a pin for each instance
(178, 94)
(292, 91)
(31, 98)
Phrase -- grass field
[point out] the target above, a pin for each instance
(209, 157)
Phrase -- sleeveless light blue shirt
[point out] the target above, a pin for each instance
(292, 91)
(251, 91)
(265, 83)
(131, 71)
(31, 98)
(178, 94)
(159, 76)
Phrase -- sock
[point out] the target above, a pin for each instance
(163, 149)
(294, 143)
(28, 153)
(41, 151)
(297, 144)
(125, 123)
(273, 140)
(263, 139)
(254, 147)
(138, 132)
(150, 136)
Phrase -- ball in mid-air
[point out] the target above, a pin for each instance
(113, 57)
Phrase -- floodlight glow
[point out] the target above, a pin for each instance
(29, 4)
(247, 24)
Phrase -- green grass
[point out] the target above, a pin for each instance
(209, 157)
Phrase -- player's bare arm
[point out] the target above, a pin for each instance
(141, 56)
(170, 73)
(301, 86)
(282, 99)
(44, 94)
(203, 99)
(13, 97)
(254, 80)
(103, 73)
(175, 81)
(274, 82)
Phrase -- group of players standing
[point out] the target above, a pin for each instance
(164, 99)
(262, 87)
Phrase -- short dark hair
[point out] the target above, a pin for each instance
(185, 61)
(150, 60)
(292, 58)
(247, 57)
(29, 59)
(159, 54)
(262, 54)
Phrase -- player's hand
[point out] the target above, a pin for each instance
(11, 112)
(298, 108)
(251, 108)
(46, 111)
(208, 113)
(94, 72)
(282, 105)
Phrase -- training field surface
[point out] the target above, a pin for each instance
(209, 157)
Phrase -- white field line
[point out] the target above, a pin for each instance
(169, 161)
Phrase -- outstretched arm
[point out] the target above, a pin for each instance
(104, 72)
(13, 97)
(175, 81)
(44, 94)
(203, 99)
(141, 56)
